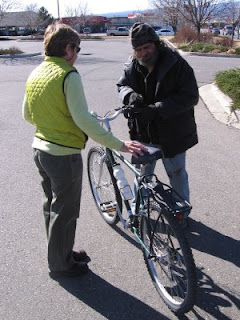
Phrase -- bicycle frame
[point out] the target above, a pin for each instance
(110, 153)
(160, 192)
(154, 221)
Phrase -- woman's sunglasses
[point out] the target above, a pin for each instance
(77, 47)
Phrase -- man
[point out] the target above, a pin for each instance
(160, 82)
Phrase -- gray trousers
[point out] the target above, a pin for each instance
(62, 184)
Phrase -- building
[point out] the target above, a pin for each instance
(95, 23)
(131, 18)
(18, 23)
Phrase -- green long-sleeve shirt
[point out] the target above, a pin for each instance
(78, 108)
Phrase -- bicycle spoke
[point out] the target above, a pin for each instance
(170, 262)
(103, 185)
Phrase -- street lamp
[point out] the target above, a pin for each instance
(58, 9)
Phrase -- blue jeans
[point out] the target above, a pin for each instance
(176, 170)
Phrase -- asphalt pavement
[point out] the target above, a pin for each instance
(118, 286)
(216, 101)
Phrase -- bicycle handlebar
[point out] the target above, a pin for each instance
(127, 110)
(108, 116)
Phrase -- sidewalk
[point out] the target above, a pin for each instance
(219, 105)
(215, 100)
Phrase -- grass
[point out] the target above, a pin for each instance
(11, 51)
(203, 47)
(229, 83)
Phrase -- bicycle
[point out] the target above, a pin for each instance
(155, 225)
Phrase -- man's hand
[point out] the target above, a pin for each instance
(147, 113)
(133, 147)
(135, 99)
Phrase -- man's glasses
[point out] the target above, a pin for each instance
(78, 49)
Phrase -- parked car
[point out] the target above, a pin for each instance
(157, 28)
(228, 30)
(165, 32)
(215, 31)
(87, 30)
(121, 31)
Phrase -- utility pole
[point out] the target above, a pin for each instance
(238, 36)
(58, 10)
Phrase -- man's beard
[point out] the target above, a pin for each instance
(150, 61)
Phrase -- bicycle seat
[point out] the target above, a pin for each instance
(153, 153)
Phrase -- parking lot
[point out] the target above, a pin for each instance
(118, 286)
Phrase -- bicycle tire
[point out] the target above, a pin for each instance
(171, 266)
(107, 192)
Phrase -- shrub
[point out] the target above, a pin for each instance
(203, 47)
(229, 83)
(188, 35)
(206, 37)
(11, 51)
(223, 41)
(237, 51)
(185, 35)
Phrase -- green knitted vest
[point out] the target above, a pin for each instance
(47, 104)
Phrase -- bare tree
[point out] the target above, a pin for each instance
(7, 5)
(32, 18)
(168, 12)
(232, 14)
(81, 12)
(195, 12)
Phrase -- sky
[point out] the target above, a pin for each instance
(94, 6)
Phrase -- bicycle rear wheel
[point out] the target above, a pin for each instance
(103, 185)
(169, 259)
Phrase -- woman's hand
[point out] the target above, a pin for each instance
(133, 147)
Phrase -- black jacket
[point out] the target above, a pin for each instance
(173, 89)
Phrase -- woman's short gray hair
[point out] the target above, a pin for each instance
(57, 36)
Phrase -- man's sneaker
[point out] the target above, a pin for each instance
(184, 223)
(182, 220)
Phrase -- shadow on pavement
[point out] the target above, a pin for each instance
(109, 301)
(210, 296)
(206, 239)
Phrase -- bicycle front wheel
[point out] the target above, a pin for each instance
(169, 259)
(103, 185)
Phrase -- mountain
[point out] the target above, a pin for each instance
(119, 14)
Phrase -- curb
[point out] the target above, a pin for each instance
(219, 105)
(186, 53)
(22, 55)
(219, 55)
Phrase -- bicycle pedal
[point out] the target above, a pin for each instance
(109, 208)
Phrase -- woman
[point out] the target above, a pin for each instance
(55, 103)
